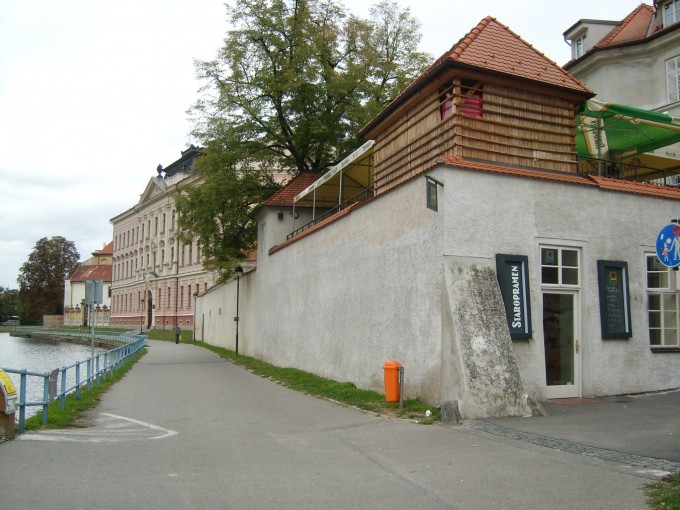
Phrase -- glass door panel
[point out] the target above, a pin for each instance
(560, 344)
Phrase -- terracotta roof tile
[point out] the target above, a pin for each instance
(101, 272)
(522, 172)
(634, 27)
(318, 226)
(637, 187)
(284, 197)
(106, 250)
(493, 46)
(605, 183)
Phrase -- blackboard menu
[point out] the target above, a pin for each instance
(614, 302)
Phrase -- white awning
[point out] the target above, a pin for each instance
(343, 181)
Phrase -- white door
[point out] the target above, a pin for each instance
(561, 342)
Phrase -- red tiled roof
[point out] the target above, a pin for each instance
(108, 249)
(522, 172)
(605, 183)
(102, 272)
(319, 225)
(634, 27)
(493, 46)
(637, 187)
(284, 197)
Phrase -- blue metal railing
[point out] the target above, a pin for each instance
(99, 365)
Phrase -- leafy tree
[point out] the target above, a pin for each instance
(289, 90)
(9, 304)
(41, 281)
(296, 79)
(218, 212)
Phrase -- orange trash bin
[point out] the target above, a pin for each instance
(391, 369)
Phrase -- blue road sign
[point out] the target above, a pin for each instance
(668, 245)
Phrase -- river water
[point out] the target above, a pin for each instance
(40, 356)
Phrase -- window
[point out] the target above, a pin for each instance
(191, 250)
(155, 231)
(142, 230)
(471, 103)
(662, 304)
(670, 12)
(172, 254)
(172, 217)
(673, 79)
(446, 102)
(559, 266)
(580, 47)
(163, 230)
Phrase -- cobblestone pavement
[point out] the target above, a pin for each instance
(636, 461)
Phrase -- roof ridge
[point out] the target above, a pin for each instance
(457, 52)
(624, 24)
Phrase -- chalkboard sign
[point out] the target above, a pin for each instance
(513, 278)
(614, 302)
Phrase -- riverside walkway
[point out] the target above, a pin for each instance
(186, 429)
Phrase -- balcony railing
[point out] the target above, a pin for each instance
(359, 197)
(629, 171)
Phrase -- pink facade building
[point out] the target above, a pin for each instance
(156, 277)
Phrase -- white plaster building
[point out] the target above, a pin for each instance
(476, 255)
(155, 276)
(97, 267)
(635, 62)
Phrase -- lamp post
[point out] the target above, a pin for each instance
(239, 272)
(141, 318)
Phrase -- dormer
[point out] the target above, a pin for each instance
(492, 97)
(585, 34)
(668, 12)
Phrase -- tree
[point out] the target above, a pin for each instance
(9, 304)
(218, 212)
(41, 281)
(289, 90)
(296, 79)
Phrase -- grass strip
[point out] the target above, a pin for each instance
(343, 392)
(664, 494)
(73, 409)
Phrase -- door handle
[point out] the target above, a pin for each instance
(577, 345)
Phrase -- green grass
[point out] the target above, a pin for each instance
(343, 392)
(73, 409)
(168, 335)
(664, 494)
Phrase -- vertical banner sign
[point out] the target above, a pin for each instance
(612, 278)
(513, 278)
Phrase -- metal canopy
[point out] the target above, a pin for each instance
(607, 130)
(345, 180)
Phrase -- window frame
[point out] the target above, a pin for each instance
(670, 12)
(663, 293)
(673, 79)
(560, 266)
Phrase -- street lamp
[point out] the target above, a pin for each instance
(239, 272)
(141, 319)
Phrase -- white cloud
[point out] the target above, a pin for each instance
(93, 95)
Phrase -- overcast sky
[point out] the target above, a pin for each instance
(93, 95)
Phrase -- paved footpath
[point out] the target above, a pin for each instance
(185, 429)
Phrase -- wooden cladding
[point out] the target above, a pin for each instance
(487, 122)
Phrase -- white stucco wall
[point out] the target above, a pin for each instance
(632, 75)
(486, 214)
(369, 287)
(360, 291)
